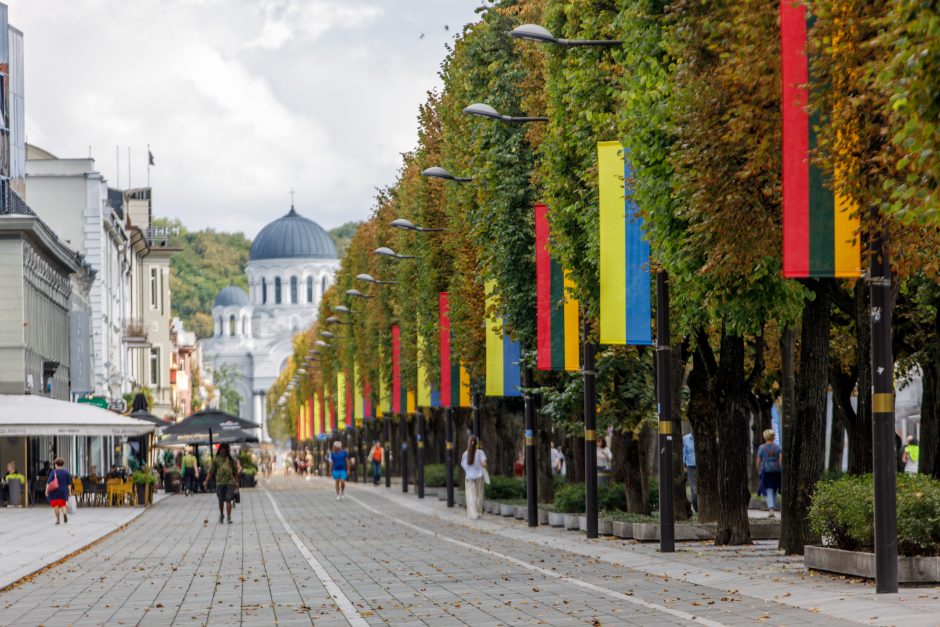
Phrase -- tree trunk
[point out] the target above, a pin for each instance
(628, 466)
(682, 508)
(576, 460)
(929, 463)
(543, 427)
(859, 429)
(803, 453)
(843, 383)
(701, 416)
(732, 403)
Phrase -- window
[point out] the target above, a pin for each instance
(264, 291)
(154, 288)
(155, 366)
(245, 325)
(277, 290)
(293, 290)
(309, 289)
(322, 286)
(221, 325)
(231, 325)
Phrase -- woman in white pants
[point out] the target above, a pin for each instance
(473, 463)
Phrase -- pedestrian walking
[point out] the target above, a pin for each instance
(189, 473)
(473, 462)
(377, 458)
(605, 461)
(559, 467)
(338, 459)
(58, 490)
(911, 455)
(770, 467)
(225, 469)
(688, 459)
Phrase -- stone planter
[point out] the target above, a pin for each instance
(622, 529)
(765, 530)
(522, 512)
(543, 517)
(605, 527)
(442, 495)
(556, 519)
(460, 499)
(859, 564)
(572, 522)
(685, 532)
(487, 506)
(507, 510)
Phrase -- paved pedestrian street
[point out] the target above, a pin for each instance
(297, 556)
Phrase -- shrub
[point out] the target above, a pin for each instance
(569, 499)
(612, 497)
(653, 489)
(842, 513)
(143, 476)
(504, 488)
(435, 475)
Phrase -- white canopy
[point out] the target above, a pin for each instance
(28, 414)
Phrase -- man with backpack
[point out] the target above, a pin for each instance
(225, 470)
(770, 467)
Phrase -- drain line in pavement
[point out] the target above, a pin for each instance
(548, 573)
(345, 605)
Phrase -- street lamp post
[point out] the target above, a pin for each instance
(667, 522)
(540, 34)
(449, 453)
(419, 453)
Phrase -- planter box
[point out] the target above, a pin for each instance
(556, 519)
(622, 529)
(507, 510)
(543, 517)
(572, 522)
(859, 564)
(487, 506)
(757, 503)
(765, 530)
(442, 495)
(649, 532)
(522, 512)
(604, 527)
(460, 500)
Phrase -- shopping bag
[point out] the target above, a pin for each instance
(72, 504)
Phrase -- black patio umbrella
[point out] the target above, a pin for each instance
(140, 403)
(209, 421)
(237, 436)
(143, 414)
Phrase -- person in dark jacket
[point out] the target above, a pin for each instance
(59, 497)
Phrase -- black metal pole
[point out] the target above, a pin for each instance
(590, 434)
(884, 464)
(404, 452)
(419, 453)
(449, 454)
(475, 409)
(531, 470)
(387, 427)
(667, 517)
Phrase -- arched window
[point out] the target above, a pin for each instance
(323, 286)
(221, 325)
(293, 290)
(264, 291)
(309, 289)
(245, 325)
(277, 290)
(231, 325)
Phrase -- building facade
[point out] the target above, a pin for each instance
(291, 264)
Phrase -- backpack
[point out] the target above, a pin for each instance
(771, 463)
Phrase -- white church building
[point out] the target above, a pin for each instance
(291, 264)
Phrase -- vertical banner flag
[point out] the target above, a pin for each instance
(503, 375)
(310, 414)
(341, 400)
(331, 404)
(385, 398)
(626, 311)
(397, 405)
(427, 395)
(556, 312)
(358, 404)
(350, 401)
(300, 425)
(317, 414)
(455, 380)
(366, 399)
(819, 227)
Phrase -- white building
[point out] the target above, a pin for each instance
(291, 264)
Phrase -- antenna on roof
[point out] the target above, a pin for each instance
(292, 198)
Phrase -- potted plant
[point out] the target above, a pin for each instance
(247, 478)
(144, 480)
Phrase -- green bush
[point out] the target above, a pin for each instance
(842, 513)
(435, 475)
(250, 471)
(653, 488)
(504, 488)
(143, 476)
(612, 497)
(569, 499)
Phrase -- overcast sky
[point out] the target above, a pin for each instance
(240, 100)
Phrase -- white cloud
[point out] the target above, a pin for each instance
(240, 100)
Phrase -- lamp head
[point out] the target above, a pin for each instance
(534, 32)
(483, 110)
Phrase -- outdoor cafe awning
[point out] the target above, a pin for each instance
(32, 415)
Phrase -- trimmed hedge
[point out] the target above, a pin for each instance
(435, 476)
(843, 514)
(504, 488)
(569, 499)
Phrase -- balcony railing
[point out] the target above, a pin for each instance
(11, 203)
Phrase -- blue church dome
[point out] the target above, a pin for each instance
(293, 236)
(231, 295)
